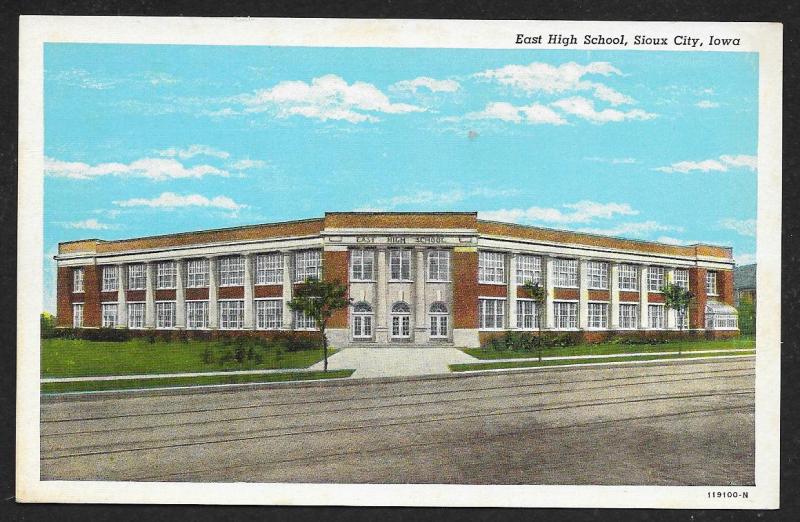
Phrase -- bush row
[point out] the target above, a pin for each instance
(529, 341)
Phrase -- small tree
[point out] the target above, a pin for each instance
(677, 298)
(318, 300)
(536, 293)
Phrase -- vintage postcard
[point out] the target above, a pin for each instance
(399, 262)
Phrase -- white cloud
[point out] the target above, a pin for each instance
(85, 80)
(192, 151)
(431, 84)
(584, 108)
(706, 104)
(636, 229)
(171, 201)
(157, 169)
(745, 258)
(720, 165)
(436, 198)
(534, 113)
(244, 164)
(742, 160)
(89, 224)
(580, 212)
(744, 227)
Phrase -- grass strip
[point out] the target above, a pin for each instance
(128, 384)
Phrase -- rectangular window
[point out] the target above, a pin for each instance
(110, 280)
(165, 314)
(269, 269)
(77, 280)
(527, 316)
(565, 273)
(655, 278)
(137, 277)
(628, 277)
(655, 314)
(269, 314)
(77, 315)
(307, 265)
(492, 313)
(197, 273)
(362, 263)
(109, 315)
(711, 283)
(231, 271)
(628, 316)
(682, 278)
(565, 315)
(682, 320)
(491, 267)
(529, 269)
(303, 322)
(598, 315)
(597, 275)
(197, 314)
(166, 274)
(135, 315)
(439, 265)
(231, 315)
(399, 265)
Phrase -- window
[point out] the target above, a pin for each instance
(362, 320)
(566, 315)
(655, 278)
(527, 314)
(711, 283)
(269, 269)
(231, 271)
(597, 275)
(166, 274)
(628, 277)
(400, 265)
(197, 273)
(77, 315)
(628, 316)
(720, 316)
(565, 273)
(303, 322)
(401, 320)
(135, 315)
(682, 278)
(529, 269)
(137, 278)
(492, 313)
(438, 320)
(491, 267)
(598, 315)
(110, 280)
(307, 265)
(196, 314)
(231, 315)
(682, 320)
(165, 314)
(362, 263)
(109, 315)
(269, 314)
(655, 315)
(438, 265)
(77, 280)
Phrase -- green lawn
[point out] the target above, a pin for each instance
(609, 349)
(81, 358)
(128, 384)
(562, 362)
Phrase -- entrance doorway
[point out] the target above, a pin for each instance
(439, 320)
(401, 320)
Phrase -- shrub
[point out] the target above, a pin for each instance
(208, 355)
(47, 325)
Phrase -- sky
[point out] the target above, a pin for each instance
(154, 139)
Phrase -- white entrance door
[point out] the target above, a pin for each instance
(362, 326)
(401, 326)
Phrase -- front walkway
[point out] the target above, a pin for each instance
(395, 361)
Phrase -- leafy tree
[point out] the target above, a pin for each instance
(677, 298)
(747, 315)
(47, 323)
(318, 300)
(536, 293)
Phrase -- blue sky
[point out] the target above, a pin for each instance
(152, 139)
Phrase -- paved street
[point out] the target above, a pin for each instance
(686, 423)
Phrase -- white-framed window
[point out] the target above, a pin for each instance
(720, 316)
(491, 267)
(137, 276)
(628, 316)
(307, 265)
(362, 264)
(269, 269)
(399, 265)
(231, 271)
(269, 314)
(682, 323)
(529, 269)
(77, 280)
(527, 316)
(598, 315)
(655, 314)
(438, 320)
(135, 315)
(711, 283)
(231, 315)
(628, 278)
(439, 265)
(655, 278)
(597, 275)
(681, 276)
(165, 314)
(565, 273)
(77, 315)
(362, 320)
(401, 320)
(110, 279)
(565, 315)
(108, 315)
(303, 322)
(492, 313)
(166, 274)
(197, 273)
(196, 314)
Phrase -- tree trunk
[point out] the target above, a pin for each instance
(325, 350)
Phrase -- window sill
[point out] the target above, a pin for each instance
(498, 283)
(400, 280)
(362, 280)
(279, 283)
(438, 281)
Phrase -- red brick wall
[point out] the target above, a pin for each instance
(336, 269)
(465, 289)
(195, 294)
(565, 293)
(91, 298)
(64, 296)
(725, 286)
(230, 292)
(599, 295)
(697, 286)
(490, 290)
(653, 297)
(165, 295)
(629, 297)
(108, 297)
(136, 295)
(268, 291)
